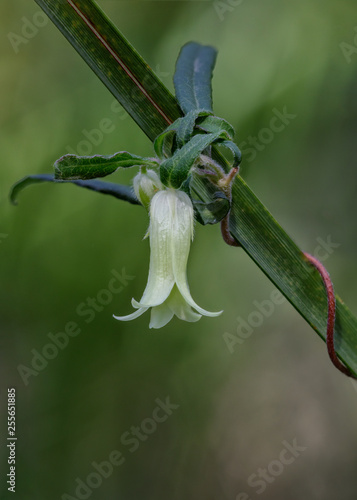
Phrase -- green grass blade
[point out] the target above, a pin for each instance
(115, 62)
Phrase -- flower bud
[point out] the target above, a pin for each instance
(146, 184)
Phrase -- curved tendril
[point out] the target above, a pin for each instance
(226, 184)
(226, 235)
(331, 315)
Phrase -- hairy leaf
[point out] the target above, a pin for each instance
(174, 171)
(71, 166)
(193, 76)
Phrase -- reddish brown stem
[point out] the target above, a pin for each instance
(226, 185)
(331, 315)
(226, 234)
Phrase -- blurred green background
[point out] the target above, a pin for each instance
(236, 410)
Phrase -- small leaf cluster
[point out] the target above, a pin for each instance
(183, 150)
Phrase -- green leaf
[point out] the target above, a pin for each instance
(125, 193)
(164, 144)
(213, 123)
(193, 76)
(27, 181)
(237, 155)
(115, 62)
(186, 126)
(71, 166)
(284, 263)
(174, 171)
(179, 133)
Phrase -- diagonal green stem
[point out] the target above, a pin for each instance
(115, 62)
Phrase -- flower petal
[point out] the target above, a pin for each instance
(180, 308)
(185, 292)
(161, 277)
(182, 230)
(160, 316)
(182, 234)
(133, 315)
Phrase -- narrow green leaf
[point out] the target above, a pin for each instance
(70, 167)
(174, 171)
(284, 263)
(125, 193)
(27, 181)
(193, 76)
(115, 62)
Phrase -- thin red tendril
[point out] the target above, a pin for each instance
(331, 299)
(331, 315)
(226, 234)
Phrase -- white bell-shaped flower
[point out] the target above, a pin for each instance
(167, 291)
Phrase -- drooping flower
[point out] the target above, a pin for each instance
(167, 292)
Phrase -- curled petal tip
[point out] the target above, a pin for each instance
(131, 316)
